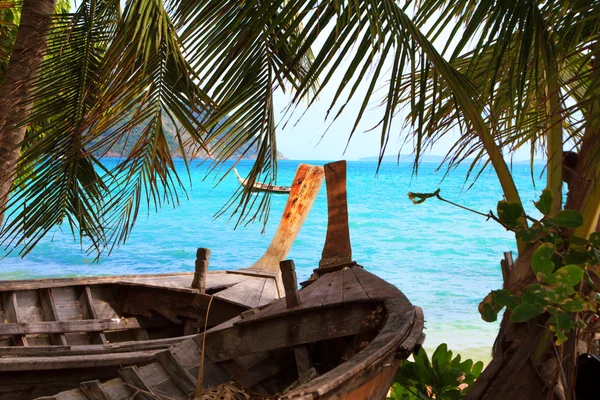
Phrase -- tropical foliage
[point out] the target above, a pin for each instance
(444, 377)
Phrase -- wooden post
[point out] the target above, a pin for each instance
(202, 256)
(290, 285)
(337, 251)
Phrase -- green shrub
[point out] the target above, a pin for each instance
(441, 378)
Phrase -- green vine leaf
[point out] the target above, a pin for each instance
(494, 302)
(536, 294)
(569, 275)
(526, 311)
(509, 213)
(541, 262)
(568, 219)
(573, 305)
(418, 198)
(544, 204)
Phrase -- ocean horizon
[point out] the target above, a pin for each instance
(442, 258)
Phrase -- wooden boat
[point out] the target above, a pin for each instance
(340, 337)
(262, 187)
(56, 332)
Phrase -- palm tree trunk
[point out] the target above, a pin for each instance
(525, 364)
(26, 57)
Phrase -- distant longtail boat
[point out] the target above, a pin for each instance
(262, 187)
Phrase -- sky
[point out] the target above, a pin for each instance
(307, 135)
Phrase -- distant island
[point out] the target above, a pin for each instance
(433, 159)
(124, 147)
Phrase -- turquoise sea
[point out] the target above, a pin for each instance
(443, 258)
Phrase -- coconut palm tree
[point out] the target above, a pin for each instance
(26, 56)
(535, 67)
(106, 73)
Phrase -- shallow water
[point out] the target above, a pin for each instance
(444, 259)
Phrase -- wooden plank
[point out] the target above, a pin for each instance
(334, 291)
(50, 314)
(375, 287)
(223, 280)
(337, 249)
(81, 361)
(246, 293)
(269, 293)
(279, 307)
(187, 353)
(178, 373)
(88, 325)
(117, 389)
(261, 367)
(68, 306)
(351, 289)
(133, 378)
(30, 309)
(11, 308)
(413, 340)
(149, 279)
(154, 344)
(305, 188)
(253, 272)
(88, 303)
(315, 297)
(94, 390)
(174, 305)
(104, 303)
(286, 331)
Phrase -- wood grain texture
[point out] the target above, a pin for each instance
(337, 249)
(375, 287)
(132, 377)
(178, 373)
(69, 362)
(89, 349)
(351, 288)
(11, 309)
(201, 269)
(310, 297)
(247, 293)
(50, 314)
(94, 390)
(88, 325)
(286, 331)
(305, 188)
(87, 301)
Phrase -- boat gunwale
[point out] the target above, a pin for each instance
(376, 352)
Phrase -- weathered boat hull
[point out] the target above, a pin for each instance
(57, 332)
